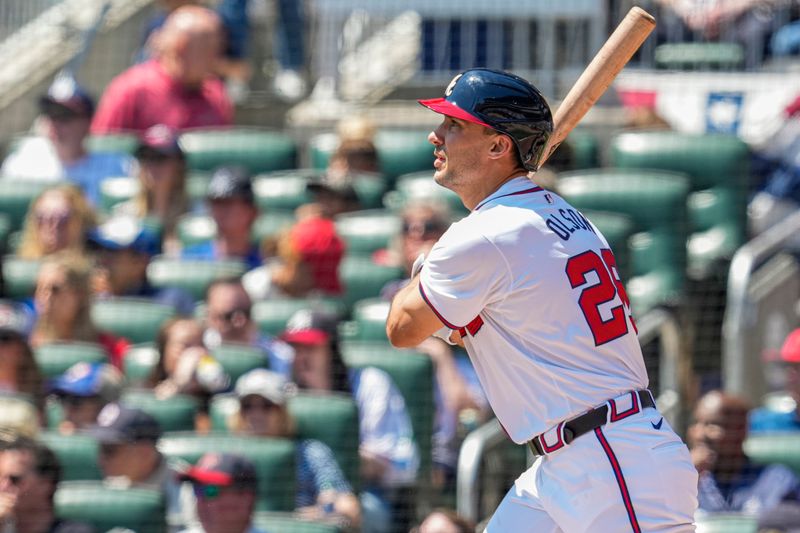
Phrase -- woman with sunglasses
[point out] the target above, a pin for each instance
(322, 489)
(58, 219)
(162, 183)
(62, 300)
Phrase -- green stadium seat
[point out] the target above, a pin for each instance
(139, 362)
(699, 56)
(192, 275)
(19, 276)
(362, 278)
(256, 150)
(585, 149)
(718, 168)
(726, 523)
(289, 523)
(420, 186)
(367, 231)
(5, 232)
(77, 454)
(238, 359)
(117, 142)
(370, 188)
(412, 372)
(194, 229)
(272, 224)
(368, 323)
(175, 413)
(656, 202)
(197, 185)
(778, 447)
(331, 418)
(283, 190)
(116, 190)
(399, 151)
(272, 315)
(105, 508)
(54, 359)
(15, 197)
(274, 459)
(135, 319)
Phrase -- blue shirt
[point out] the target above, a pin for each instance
(755, 489)
(765, 420)
(208, 250)
(317, 471)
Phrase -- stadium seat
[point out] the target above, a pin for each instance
(726, 523)
(54, 359)
(256, 150)
(5, 231)
(191, 275)
(585, 149)
(139, 361)
(238, 359)
(15, 197)
(274, 460)
(116, 142)
(197, 185)
(778, 447)
(718, 168)
(77, 454)
(367, 231)
(656, 202)
(362, 278)
(117, 190)
(412, 372)
(272, 315)
(175, 413)
(699, 56)
(135, 319)
(283, 190)
(272, 223)
(420, 186)
(399, 151)
(195, 228)
(19, 276)
(331, 418)
(368, 323)
(274, 522)
(105, 508)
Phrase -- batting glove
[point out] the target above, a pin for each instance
(417, 266)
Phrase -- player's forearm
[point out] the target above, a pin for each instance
(403, 325)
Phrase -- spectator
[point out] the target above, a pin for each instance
(18, 417)
(354, 156)
(728, 481)
(58, 220)
(63, 304)
(29, 475)
(162, 183)
(177, 87)
(226, 488)
(128, 456)
(444, 521)
(333, 193)
(83, 390)
(124, 248)
(233, 208)
(767, 419)
(229, 320)
(785, 518)
(184, 366)
(19, 373)
(66, 112)
(323, 492)
(389, 456)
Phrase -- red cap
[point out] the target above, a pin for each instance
(313, 337)
(445, 107)
(317, 242)
(790, 351)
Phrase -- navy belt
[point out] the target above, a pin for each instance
(566, 432)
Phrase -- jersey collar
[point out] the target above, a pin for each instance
(513, 187)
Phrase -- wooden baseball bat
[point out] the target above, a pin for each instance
(593, 82)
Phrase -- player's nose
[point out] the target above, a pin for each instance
(434, 138)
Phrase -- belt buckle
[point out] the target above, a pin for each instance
(558, 433)
(614, 415)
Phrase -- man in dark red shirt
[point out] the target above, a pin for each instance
(177, 87)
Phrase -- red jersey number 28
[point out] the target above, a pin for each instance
(608, 287)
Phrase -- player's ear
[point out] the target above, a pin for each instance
(500, 146)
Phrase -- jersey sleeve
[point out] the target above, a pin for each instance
(462, 274)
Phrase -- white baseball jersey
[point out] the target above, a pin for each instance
(535, 288)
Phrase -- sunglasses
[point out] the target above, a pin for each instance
(250, 405)
(55, 290)
(152, 156)
(230, 315)
(71, 400)
(109, 449)
(55, 219)
(206, 492)
(7, 336)
(427, 227)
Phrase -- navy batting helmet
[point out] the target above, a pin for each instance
(503, 102)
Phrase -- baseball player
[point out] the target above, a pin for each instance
(531, 288)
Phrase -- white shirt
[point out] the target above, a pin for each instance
(505, 272)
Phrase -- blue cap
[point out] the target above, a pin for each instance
(89, 379)
(66, 98)
(125, 233)
(117, 424)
